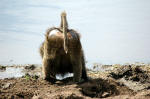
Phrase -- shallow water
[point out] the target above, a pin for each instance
(14, 72)
(19, 71)
(11, 72)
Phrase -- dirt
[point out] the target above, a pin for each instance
(28, 88)
(120, 84)
(135, 77)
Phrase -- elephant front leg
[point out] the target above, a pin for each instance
(48, 73)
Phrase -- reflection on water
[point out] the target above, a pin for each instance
(65, 76)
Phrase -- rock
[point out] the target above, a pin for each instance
(105, 94)
(2, 67)
(30, 67)
(7, 85)
(135, 77)
(133, 73)
(123, 71)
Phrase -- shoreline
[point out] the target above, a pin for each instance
(118, 81)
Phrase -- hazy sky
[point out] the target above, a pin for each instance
(113, 31)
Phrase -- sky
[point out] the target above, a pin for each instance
(112, 31)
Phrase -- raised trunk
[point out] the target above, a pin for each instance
(64, 27)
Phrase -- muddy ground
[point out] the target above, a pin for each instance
(122, 82)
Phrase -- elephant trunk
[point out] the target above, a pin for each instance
(64, 28)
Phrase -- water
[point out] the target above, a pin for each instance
(112, 31)
(11, 72)
(19, 71)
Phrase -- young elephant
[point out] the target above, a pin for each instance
(62, 52)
